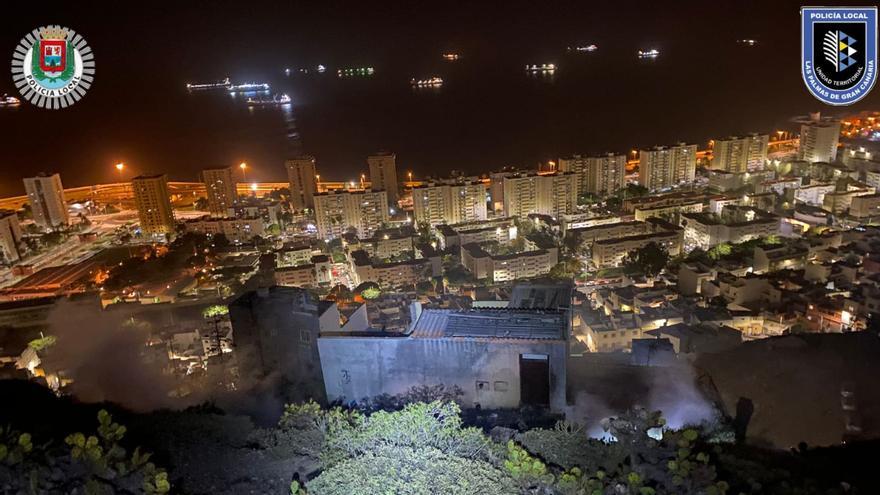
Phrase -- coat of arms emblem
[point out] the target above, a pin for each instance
(53, 67)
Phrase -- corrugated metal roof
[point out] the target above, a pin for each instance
(491, 324)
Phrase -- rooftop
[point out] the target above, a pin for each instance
(491, 324)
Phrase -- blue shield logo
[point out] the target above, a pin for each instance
(839, 52)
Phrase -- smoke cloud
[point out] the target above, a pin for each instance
(606, 386)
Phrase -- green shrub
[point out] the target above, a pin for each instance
(403, 470)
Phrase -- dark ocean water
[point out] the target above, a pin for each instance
(488, 114)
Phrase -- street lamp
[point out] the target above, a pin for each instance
(363, 178)
(243, 167)
(318, 182)
(409, 174)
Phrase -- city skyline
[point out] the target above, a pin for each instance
(264, 141)
(464, 248)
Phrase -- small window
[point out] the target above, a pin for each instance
(501, 387)
(482, 385)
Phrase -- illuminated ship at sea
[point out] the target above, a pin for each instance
(9, 101)
(587, 48)
(451, 56)
(652, 53)
(432, 82)
(249, 87)
(355, 71)
(275, 100)
(545, 68)
(223, 84)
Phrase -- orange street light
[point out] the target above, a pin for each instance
(120, 166)
(243, 167)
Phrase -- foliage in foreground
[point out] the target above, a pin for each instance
(405, 470)
(424, 448)
(86, 463)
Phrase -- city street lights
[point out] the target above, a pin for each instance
(363, 179)
(409, 174)
(243, 167)
(318, 182)
(119, 168)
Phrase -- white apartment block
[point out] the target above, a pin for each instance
(10, 237)
(45, 195)
(551, 194)
(362, 210)
(819, 139)
(740, 154)
(667, 166)
(435, 204)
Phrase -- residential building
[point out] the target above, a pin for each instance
(502, 268)
(496, 189)
(740, 154)
(597, 174)
(819, 138)
(46, 197)
(583, 220)
(389, 243)
(153, 204)
(499, 230)
(550, 194)
(434, 204)
(252, 207)
(318, 270)
(865, 206)
(588, 235)
(669, 211)
(814, 194)
(10, 237)
(220, 188)
(838, 202)
(236, 230)
(293, 255)
(610, 253)
(383, 174)
(735, 224)
(667, 166)
(338, 211)
(303, 179)
(393, 274)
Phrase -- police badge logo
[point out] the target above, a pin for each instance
(839, 52)
(53, 67)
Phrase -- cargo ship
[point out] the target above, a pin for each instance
(652, 53)
(223, 84)
(275, 100)
(249, 87)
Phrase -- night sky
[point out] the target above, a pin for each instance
(489, 114)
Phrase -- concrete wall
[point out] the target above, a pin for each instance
(358, 367)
